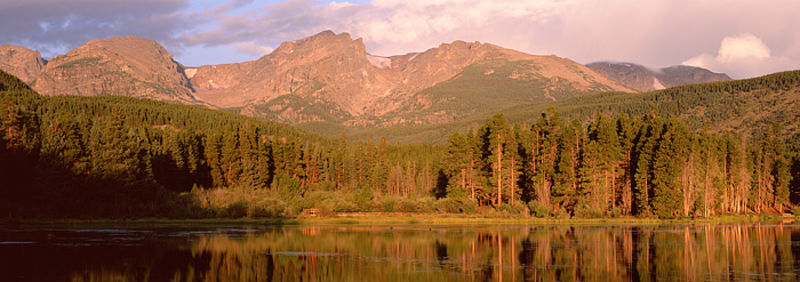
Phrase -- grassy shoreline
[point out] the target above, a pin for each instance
(401, 219)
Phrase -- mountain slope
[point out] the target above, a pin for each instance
(643, 79)
(330, 78)
(9, 82)
(311, 67)
(124, 66)
(744, 106)
(491, 85)
(24, 63)
(112, 156)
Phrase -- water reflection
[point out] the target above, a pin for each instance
(363, 253)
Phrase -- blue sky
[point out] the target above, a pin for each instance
(743, 38)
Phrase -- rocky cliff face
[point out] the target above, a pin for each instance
(643, 79)
(325, 68)
(24, 63)
(680, 75)
(126, 66)
(331, 77)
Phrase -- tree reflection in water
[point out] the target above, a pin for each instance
(468, 253)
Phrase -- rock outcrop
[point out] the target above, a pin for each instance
(125, 66)
(24, 63)
(331, 77)
(643, 79)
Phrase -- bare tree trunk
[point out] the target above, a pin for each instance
(499, 171)
(613, 186)
(646, 190)
(689, 186)
(707, 192)
(729, 193)
(513, 182)
(471, 177)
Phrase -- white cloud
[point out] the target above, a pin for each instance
(743, 46)
(388, 27)
(757, 36)
(700, 61)
(393, 26)
(743, 56)
(252, 48)
(54, 26)
(654, 32)
(338, 5)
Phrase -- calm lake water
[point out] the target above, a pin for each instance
(403, 253)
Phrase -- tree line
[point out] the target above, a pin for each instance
(117, 156)
(125, 157)
(739, 105)
(623, 166)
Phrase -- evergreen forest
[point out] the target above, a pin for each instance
(120, 157)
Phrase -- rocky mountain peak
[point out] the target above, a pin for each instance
(132, 46)
(24, 63)
(127, 65)
(319, 45)
(679, 75)
(331, 77)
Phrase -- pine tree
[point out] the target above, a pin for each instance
(543, 149)
(601, 156)
(457, 163)
(495, 137)
(213, 155)
(667, 168)
(230, 157)
(626, 131)
(474, 177)
(565, 177)
(644, 153)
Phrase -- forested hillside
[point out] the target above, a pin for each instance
(745, 106)
(741, 106)
(125, 157)
(120, 157)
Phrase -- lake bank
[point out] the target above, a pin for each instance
(406, 219)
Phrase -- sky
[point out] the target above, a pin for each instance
(743, 38)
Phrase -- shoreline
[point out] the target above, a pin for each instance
(400, 219)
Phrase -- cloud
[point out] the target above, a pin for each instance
(388, 27)
(743, 46)
(654, 33)
(53, 26)
(741, 56)
(700, 61)
(253, 48)
(396, 26)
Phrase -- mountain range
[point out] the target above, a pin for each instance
(329, 81)
(641, 78)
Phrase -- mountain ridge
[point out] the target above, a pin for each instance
(745, 106)
(331, 77)
(126, 66)
(21, 62)
(328, 80)
(642, 79)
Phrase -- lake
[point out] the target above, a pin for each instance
(402, 253)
